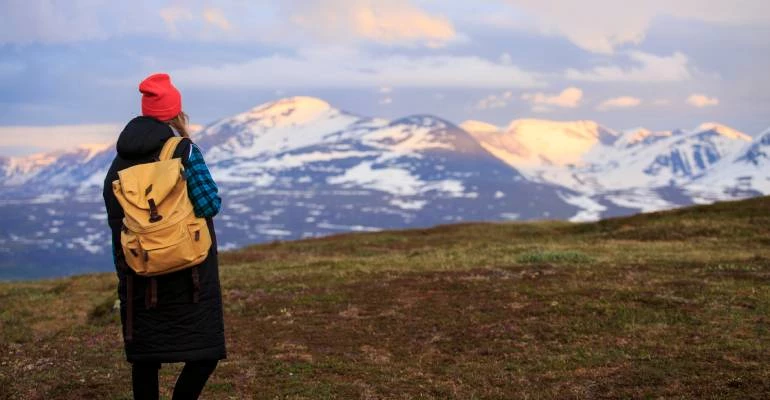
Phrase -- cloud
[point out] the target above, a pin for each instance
(568, 98)
(661, 102)
(215, 17)
(385, 101)
(650, 68)
(700, 101)
(391, 22)
(494, 101)
(46, 138)
(619, 102)
(346, 68)
(174, 14)
(386, 89)
(601, 26)
(287, 23)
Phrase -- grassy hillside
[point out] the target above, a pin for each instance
(665, 305)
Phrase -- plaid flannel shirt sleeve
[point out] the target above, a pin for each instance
(201, 187)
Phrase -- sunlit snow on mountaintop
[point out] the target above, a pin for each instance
(724, 131)
(533, 142)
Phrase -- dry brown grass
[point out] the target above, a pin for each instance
(664, 305)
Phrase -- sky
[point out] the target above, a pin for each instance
(69, 71)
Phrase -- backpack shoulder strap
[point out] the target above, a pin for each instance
(183, 150)
(169, 147)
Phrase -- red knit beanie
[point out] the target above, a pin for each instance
(160, 99)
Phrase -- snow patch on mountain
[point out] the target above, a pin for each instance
(639, 137)
(297, 160)
(590, 210)
(529, 143)
(642, 199)
(406, 139)
(91, 150)
(394, 180)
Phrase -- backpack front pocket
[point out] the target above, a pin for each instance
(132, 251)
(167, 250)
(199, 233)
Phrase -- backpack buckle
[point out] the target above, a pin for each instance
(154, 216)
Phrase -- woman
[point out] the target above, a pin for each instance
(176, 325)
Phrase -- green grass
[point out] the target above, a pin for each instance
(673, 304)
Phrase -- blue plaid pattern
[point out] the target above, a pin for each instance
(201, 187)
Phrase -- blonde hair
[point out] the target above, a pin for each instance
(179, 123)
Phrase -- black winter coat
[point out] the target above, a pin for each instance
(176, 329)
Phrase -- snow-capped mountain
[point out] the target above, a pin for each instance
(636, 169)
(292, 168)
(744, 174)
(47, 173)
(298, 167)
(594, 160)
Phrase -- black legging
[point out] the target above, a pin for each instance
(144, 377)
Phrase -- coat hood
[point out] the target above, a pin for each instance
(142, 137)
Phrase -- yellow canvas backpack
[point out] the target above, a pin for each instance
(160, 232)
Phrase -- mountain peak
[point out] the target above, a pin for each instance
(641, 136)
(305, 102)
(545, 124)
(479, 127)
(298, 109)
(423, 120)
(534, 142)
(92, 149)
(724, 130)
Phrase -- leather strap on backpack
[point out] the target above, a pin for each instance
(151, 294)
(196, 284)
(129, 306)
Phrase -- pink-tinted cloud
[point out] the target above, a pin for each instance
(541, 102)
(494, 101)
(619, 102)
(386, 22)
(215, 17)
(701, 100)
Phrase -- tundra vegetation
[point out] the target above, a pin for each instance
(672, 304)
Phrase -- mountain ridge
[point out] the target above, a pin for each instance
(291, 169)
(299, 167)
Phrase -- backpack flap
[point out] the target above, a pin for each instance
(152, 181)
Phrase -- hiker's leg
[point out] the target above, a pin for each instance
(144, 380)
(192, 379)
